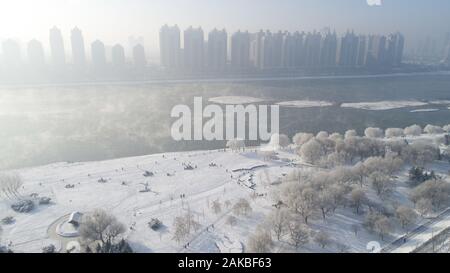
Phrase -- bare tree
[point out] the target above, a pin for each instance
(101, 226)
(184, 225)
(10, 184)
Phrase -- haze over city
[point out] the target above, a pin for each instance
(115, 21)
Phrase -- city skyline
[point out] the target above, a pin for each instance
(105, 19)
(194, 49)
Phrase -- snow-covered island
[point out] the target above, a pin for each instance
(385, 191)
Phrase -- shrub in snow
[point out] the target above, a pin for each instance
(49, 249)
(432, 129)
(446, 128)
(394, 132)
(44, 200)
(9, 220)
(414, 130)
(374, 132)
(155, 224)
(23, 206)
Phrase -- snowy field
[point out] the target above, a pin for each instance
(125, 188)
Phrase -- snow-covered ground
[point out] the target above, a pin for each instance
(220, 175)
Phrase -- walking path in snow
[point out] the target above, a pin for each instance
(420, 235)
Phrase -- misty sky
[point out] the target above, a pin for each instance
(115, 20)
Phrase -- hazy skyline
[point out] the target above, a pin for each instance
(113, 21)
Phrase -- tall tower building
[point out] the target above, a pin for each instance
(118, 56)
(194, 49)
(312, 47)
(98, 54)
(361, 51)
(35, 52)
(170, 46)
(256, 53)
(217, 49)
(240, 50)
(139, 57)
(78, 49)
(57, 47)
(328, 50)
(376, 50)
(348, 53)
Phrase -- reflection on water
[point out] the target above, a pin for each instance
(79, 123)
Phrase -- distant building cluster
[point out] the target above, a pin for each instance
(35, 56)
(280, 50)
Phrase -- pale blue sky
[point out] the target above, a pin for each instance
(115, 20)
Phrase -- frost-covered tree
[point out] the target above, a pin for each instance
(301, 138)
(322, 239)
(299, 233)
(432, 129)
(379, 224)
(421, 153)
(101, 226)
(382, 183)
(336, 137)
(216, 206)
(374, 132)
(279, 141)
(184, 225)
(302, 200)
(350, 133)
(358, 198)
(260, 242)
(242, 207)
(406, 216)
(322, 135)
(312, 151)
(414, 130)
(325, 202)
(446, 128)
(394, 132)
(279, 222)
(436, 191)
